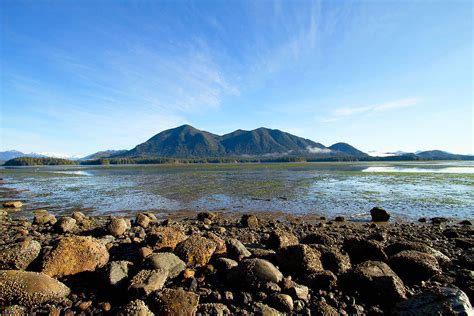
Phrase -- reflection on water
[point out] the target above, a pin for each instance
(406, 189)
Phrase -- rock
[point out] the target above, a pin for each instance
(19, 255)
(145, 252)
(299, 260)
(318, 238)
(148, 281)
(254, 272)
(80, 218)
(207, 215)
(42, 217)
(135, 308)
(297, 291)
(221, 247)
(75, 254)
(237, 250)
(334, 260)
(29, 288)
(397, 247)
(143, 220)
(281, 302)
(438, 220)
(339, 219)
(117, 227)
(167, 261)
(464, 243)
(466, 222)
(361, 250)
(12, 204)
(322, 280)
(196, 250)
(249, 220)
(66, 224)
(165, 238)
(261, 309)
(213, 309)
(115, 272)
(279, 239)
(323, 308)
(437, 301)
(377, 283)
(414, 266)
(379, 215)
(174, 302)
(226, 264)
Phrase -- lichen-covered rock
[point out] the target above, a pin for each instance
(170, 302)
(377, 283)
(196, 250)
(12, 204)
(280, 239)
(213, 309)
(414, 266)
(166, 261)
(29, 288)
(117, 226)
(19, 255)
(261, 309)
(437, 301)
(400, 246)
(135, 308)
(75, 254)
(165, 238)
(323, 308)
(66, 224)
(361, 250)
(147, 281)
(299, 260)
(221, 247)
(249, 220)
(42, 217)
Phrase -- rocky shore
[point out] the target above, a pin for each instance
(214, 264)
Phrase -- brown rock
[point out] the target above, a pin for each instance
(135, 308)
(249, 220)
(323, 308)
(174, 302)
(165, 238)
(414, 266)
(196, 250)
(66, 224)
(280, 239)
(12, 204)
(361, 250)
(299, 260)
(117, 226)
(221, 247)
(42, 217)
(29, 288)
(214, 309)
(143, 220)
(75, 254)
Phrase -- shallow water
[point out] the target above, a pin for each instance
(409, 190)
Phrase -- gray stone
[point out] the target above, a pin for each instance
(166, 261)
(148, 281)
(437, 301)
(236, 250)
(253, 272)
(116, 272)
(225, 264)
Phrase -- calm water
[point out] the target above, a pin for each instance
(409, 190)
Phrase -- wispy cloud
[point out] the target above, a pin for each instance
(347, 112)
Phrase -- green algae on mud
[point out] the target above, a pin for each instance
(409, 190)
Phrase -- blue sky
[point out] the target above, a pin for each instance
(83, 76)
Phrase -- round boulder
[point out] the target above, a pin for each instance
(29, 288)
(379, 215)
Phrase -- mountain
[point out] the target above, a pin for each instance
(11, 154)
(442, 155)
(104, 154)
(186, 142)
(347, 149)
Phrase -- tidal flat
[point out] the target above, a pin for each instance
(408, 190)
